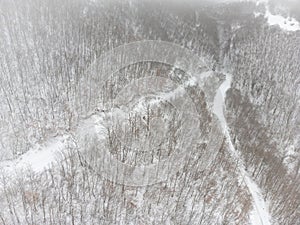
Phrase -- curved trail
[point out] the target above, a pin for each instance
(260, 214)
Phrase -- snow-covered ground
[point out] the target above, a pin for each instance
(42, 156)
(285, 23)
(260, 214)
(288, 24)
(38, 158)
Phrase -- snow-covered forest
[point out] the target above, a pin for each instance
(202, 125)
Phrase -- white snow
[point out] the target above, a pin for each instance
(260, 214)
(42, 156)
(288, 24)
(38, 159)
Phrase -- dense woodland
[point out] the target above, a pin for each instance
(46, 48)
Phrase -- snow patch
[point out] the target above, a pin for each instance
(38, 159)
(288, 24)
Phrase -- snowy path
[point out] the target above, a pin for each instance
(260, 214)
(42, 156)
(38, 159)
